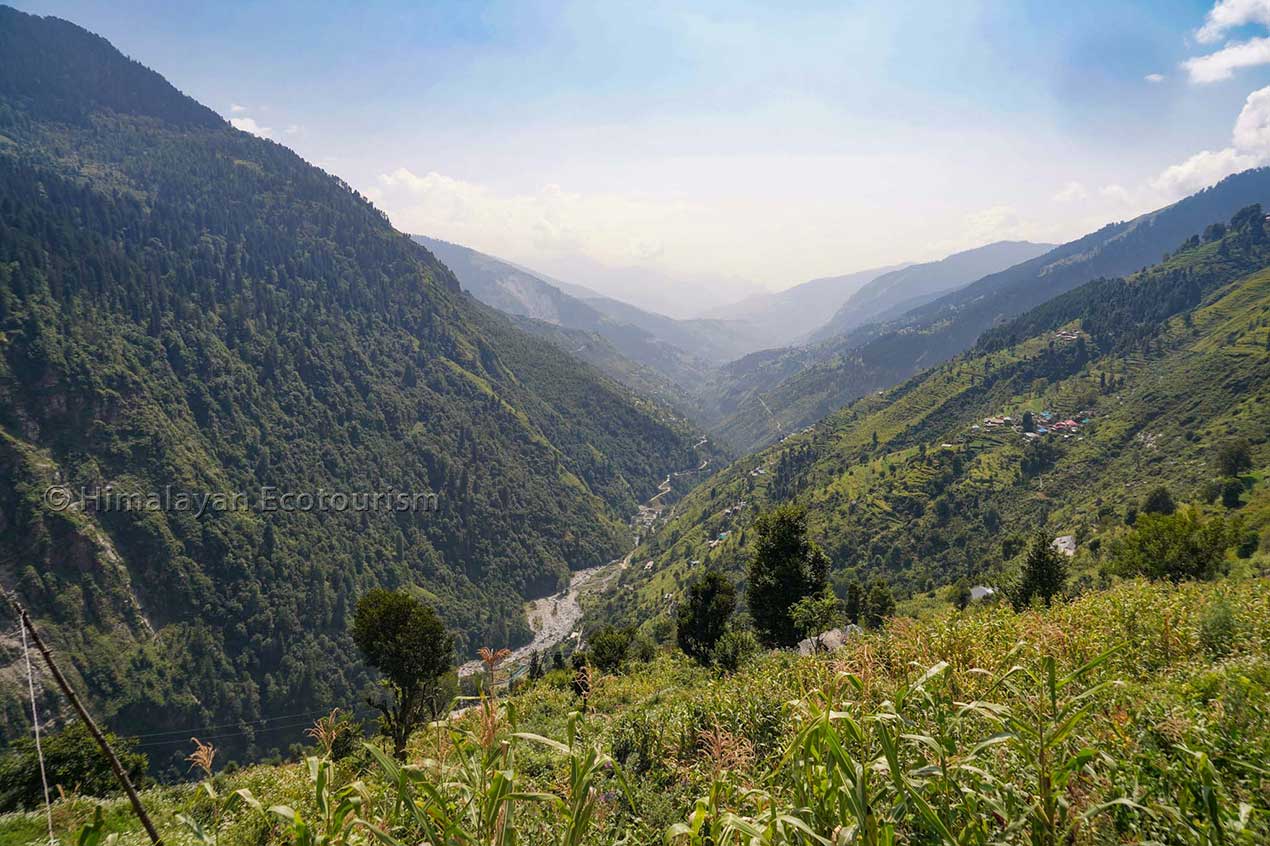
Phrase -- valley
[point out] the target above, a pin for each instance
(965, 540)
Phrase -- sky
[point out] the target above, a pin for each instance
(684, 155)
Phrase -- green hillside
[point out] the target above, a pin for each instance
(641, 358)
(186, 309)
(775, 394)
(916, 486)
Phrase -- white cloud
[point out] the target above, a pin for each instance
(1252, 129)
(1201, 170)
(293, 129)
(1250, 147)
(1154, 77)
(1222, 64)
(614, 228)
(1116, 193)
(995, 223)
(235, 108)
(1231, 14)
(1072, 192)
(247, 124)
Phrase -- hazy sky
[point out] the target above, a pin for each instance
(734, 146)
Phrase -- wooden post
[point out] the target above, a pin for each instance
(120, 773)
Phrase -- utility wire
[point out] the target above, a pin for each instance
(198, 729)
(220, 736)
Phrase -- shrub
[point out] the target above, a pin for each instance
(608, 648)
(1249, 544)
(734, 648)
(817, 613)
(1159, 501)
(879, 603)
(703, 615)
(1232, 491)
(73, 761)
(1233, 458)
(642, 648)
(1175, 546)
(1218, 628)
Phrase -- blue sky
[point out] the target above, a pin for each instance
(682, 156)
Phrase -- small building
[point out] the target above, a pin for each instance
(978, 593)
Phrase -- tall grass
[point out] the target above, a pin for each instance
(1136, 715)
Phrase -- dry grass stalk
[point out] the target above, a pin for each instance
(326, 731)
(202, 756)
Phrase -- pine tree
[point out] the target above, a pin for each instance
(1044, 574)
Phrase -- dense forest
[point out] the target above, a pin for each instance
(188, 308)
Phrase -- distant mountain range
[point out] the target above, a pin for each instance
(789, 316)
(703, 366)
(891, 294)
(780, 392)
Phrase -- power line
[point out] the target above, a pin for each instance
(240, 723)
(224, 735)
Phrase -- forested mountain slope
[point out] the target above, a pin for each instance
(634, 356)
(878, 356)
(927, 483)
(189, 309)
(892, 294)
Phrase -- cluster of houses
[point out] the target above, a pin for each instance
(1044, 424)
(1066, 335)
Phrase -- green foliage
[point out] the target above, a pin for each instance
(800, 387)
(1233, 458)
(404, 640)
(1104, 719)
(1158, 501)
(607, 649)
(1178, 546)
(703, 615)
(1218, 627)
(74, 763)
(786, 566)
(734, 648)
(817, 613)
(1232, 491)
(1044, 574)
(946, 497)
(879, 604)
